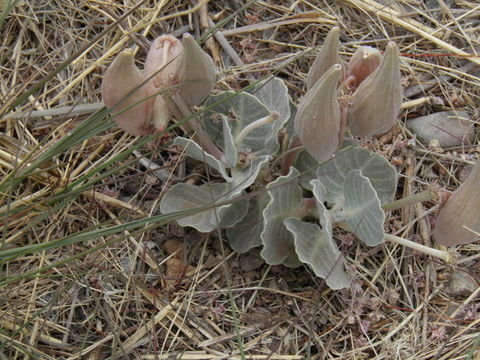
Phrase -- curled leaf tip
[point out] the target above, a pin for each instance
(326, 58)
(123, 93)
(317, 122)
(458, 221)
(198, 72)
(376, 102)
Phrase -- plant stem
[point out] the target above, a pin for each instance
(426, 195)
(205, 142)
(444, 255)
(441, 254)
(253, 125)
(290, 155)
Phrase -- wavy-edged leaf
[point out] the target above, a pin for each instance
(284, 200)
(187, 196)
(319, 192)
(242, 109)
(193, 150)
(316, 248)
(362, 207)
(246, 234)
(273, 93)
(376, 168)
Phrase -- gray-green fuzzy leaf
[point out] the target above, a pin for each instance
(246, 176)
(365, 216)
(230, 151)
(307, 166)
(193, 150)
(285, 198)
(242, 109)
(246, 234)
(316, 248)
(187, 196)
(376, 168)
(240, 178)
(273, 93)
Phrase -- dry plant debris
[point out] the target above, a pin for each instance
(90, 270)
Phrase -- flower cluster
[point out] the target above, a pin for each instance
(141, 101)
(370, 93)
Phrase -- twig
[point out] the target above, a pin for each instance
(155, 169)
(428, 100)
(386, 14)
(422, 88)
(140, 40)
(74, 110)
(305, 17)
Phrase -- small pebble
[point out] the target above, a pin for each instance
(461, 284)
(449, 128)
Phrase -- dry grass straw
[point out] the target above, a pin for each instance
(114, 297)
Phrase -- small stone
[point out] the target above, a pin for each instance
(251, 261)
(461, 284)
(449, 128)
(211, 261)
(171, 246)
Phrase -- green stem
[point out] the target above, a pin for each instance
(426, 195)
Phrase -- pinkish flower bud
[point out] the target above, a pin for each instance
(458, 221)
(120, 87)
(317, 122)
(163, 61)
(326, 58)
(376, 102)
(197, 73)
(363, 62)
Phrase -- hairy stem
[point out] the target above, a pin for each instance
(441, 254)
(204, 140)
(410, 200)
(253, 125)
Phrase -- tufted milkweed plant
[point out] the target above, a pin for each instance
(239, 136)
